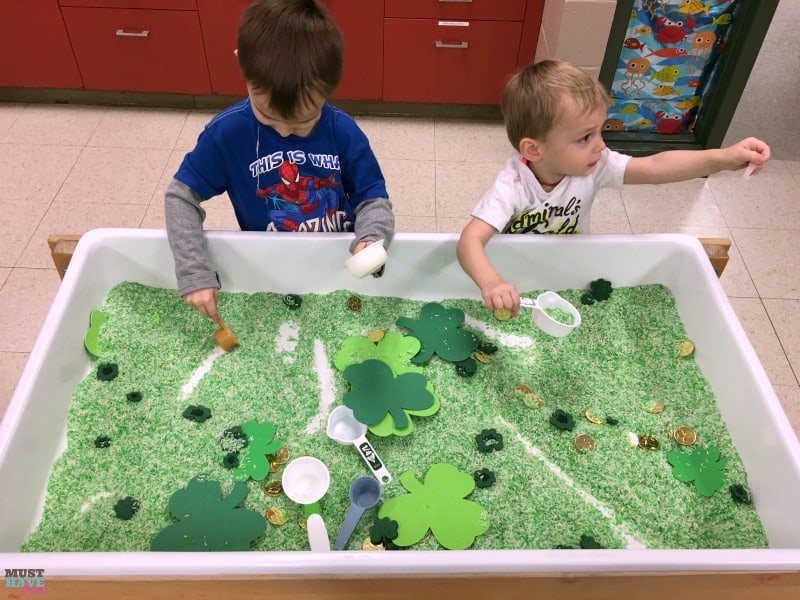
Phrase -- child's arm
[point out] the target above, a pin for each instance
(374, 221)
(184, 216)
(679, 165)
(496, 292)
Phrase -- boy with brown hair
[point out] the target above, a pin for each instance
(288, 160)
(554, 115)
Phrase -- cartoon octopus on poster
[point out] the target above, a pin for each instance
(298, 198)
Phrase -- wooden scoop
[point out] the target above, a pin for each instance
(225, 337)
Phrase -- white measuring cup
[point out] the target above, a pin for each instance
(368, 261)
(544, 321)
(305, 481)
(343, 427)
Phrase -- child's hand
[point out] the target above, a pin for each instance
(205, 302)
(750, 151)
(501, 294)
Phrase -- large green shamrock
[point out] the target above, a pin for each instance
(396, 350)
(438, 505)
(376, 392)
(207, 521)
(703, 466)
(439, 331)
(253, 460)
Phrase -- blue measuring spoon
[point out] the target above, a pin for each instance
(364, 495)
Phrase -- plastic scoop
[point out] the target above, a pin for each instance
(370, 260)
(748, 172)
(551, 301)
(225, 337)
(305, 480)
(343, 427)
(364, 495)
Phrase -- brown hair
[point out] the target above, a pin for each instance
(290, 49)
(533, 100)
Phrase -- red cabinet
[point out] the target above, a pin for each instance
(451, 51)
(34, 45)
(141, 50)
(361, 23)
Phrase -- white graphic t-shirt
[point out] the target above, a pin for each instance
(516, 202)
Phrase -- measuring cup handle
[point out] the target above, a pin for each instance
(317, 534)
(372, 459)
(351, 519)
(528, 303)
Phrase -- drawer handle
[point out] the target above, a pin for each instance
(142, 34)
(460, 45)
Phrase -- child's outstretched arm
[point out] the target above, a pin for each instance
(496, 292)
(679, 165)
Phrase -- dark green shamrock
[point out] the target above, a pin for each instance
(207, 521)
(600, 289)
(740, 494)
(107, 371)
(438, 505)
(562, 420)
(382, 531)
(253, 461)
(439, 331)
(126, 508)
(376, 392)
(703, 466)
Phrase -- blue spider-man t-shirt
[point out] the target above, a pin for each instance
(288, 183)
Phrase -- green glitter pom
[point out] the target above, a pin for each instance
(484, 478)
(198, 413)
(126, 508)
(107, 371)
(489, 440)
(562, 420)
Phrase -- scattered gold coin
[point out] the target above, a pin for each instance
(481, 357)
(501, 314)
(686, 349)
(354, 303)
(281, 457)
(368, 545)
(657, 408)
(592, 419)
(302, 521)
(685, 436)
(276, 516)
(584, 442)
(375, 336)
(274, 467)
(529, 399)
(648, 442)
(274, 488)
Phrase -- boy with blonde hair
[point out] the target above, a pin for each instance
(554, 115)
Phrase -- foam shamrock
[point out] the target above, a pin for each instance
(600, 289)
(439, 331)
(207, 521)
(376, 392)
(438, 505)
(91, 339)
(703, 466)
(396, 350)
(253, 461)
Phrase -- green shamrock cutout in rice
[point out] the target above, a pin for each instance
(439, 331)
(704, 466)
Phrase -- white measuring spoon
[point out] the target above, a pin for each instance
(544, 321)
(343, 427)
(305, 480)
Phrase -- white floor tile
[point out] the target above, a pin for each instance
(39, 124)
(139, 128)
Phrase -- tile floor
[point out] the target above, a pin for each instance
(68, 169)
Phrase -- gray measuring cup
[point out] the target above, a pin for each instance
(364, 495)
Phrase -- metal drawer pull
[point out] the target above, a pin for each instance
(443, 45)
(123, 33)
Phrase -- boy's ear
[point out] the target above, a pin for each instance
(530, 149)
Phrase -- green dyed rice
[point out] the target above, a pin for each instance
(560, 315)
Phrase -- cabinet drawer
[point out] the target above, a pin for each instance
(426, 61)
(153, 4)
(138, 50)
(488, 10)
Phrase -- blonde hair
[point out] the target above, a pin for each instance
(534, 98)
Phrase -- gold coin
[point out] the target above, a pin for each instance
(368, 545)
(501, 314)
(584, 442)
(648, 442)
(481, 357)
(375, 336)
(274, 467)
(529, 399)
(685, 436)
(592, 419)
(657, 408)
(521, 387)
(354, 303)
(302, 520)
(274, 488)
(281, 457)
(276, 516)
(686, 349)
